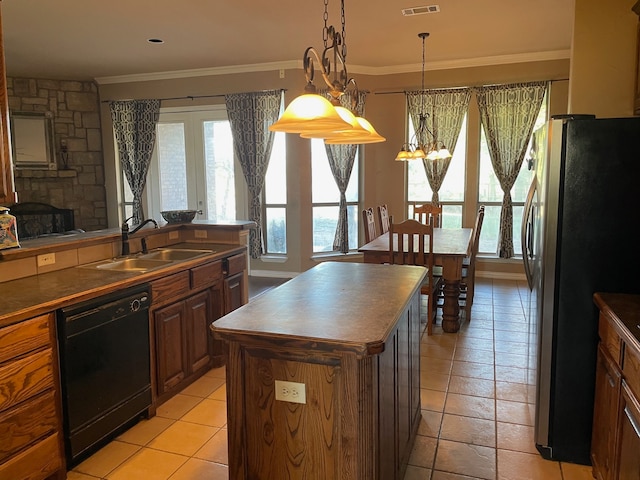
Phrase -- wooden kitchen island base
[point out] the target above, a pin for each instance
(349, 333)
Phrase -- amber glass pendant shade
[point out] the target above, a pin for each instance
(310, 113)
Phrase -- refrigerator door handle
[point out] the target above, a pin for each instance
(527, 243)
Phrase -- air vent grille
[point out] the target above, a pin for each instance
(420, 10)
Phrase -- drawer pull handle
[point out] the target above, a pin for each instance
(632, 420)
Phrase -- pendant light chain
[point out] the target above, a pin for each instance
(325, 30)
(344, 34)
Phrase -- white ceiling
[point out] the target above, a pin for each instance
(85, 39)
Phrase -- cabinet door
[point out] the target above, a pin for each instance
(170, 340)
(629, 467)
(216, 347)
(233, 289)
(198, 319)
(605, 415)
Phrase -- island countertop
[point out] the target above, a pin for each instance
(340, 305)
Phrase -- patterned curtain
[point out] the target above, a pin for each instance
(341, 158)
(445, 111)
(508, 114)
(250, 115)
(134, 123)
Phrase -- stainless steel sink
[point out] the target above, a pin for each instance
(137, 264)
(175, 254)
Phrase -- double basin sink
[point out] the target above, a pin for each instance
(148, 261)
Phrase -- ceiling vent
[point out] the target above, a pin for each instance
(420, 10)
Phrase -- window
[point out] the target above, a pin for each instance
(275, 199)
(452, 190)
(490, 194)
(326, 200)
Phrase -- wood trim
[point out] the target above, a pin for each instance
(7, 189)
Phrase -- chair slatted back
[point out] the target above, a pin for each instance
(428, 213)
(369, 223)
(477, 229)
(411, 243)
(383, 217)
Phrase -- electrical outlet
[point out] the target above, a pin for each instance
(46, 259)
(200, 233)
(290, 392)
(174, 235)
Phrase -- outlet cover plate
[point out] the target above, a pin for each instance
(290, 392)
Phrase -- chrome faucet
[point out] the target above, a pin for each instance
(126, 232)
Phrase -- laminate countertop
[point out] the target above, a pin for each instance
(30, 296)
(335, 305)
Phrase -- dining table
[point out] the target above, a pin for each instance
(450, 247)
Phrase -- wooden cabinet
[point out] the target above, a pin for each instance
(7, 189)
(30, 415)
(234, 282)
(356, 357)
(184, 306)
(605, 415)
(182, 340)
(615, 445)
(636, 98)
(629, 467)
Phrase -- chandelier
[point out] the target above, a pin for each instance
(312, 115)
(414, 150)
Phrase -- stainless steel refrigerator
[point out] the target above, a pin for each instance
(579, 234)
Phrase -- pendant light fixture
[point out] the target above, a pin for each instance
(312, 115)
(414, 150)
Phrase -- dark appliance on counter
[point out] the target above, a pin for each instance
(105, 368)
(579, 237)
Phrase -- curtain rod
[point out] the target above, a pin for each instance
(191, 97)
(470, 86)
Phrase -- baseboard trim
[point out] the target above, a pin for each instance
(272, 274)
(501, 275)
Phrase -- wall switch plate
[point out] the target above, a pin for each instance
(200, 233)
(46, 259)
(290, 392)
(174, 235)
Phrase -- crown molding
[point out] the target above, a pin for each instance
(364, 70)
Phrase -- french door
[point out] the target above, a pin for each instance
(193, 165)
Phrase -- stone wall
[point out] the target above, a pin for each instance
(75, 106)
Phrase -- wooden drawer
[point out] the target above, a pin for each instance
(610, 338)
(631, 369)
(38, 462)
(26, 424)
(206, 274)
(169, 287)
(24, 378)
(24, 337)
(235, 264)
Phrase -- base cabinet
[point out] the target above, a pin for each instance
(615, 445)
(182, 331)
(629, 467)
(30, 415)
(184, 307)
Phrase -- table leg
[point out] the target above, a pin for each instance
(452, 275)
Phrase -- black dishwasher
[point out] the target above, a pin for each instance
(105, 368)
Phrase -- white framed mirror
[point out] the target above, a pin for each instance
(32, 140)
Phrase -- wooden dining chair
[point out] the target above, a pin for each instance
(369, 223)
(411, 243)
(383, 217)
(428, 213)
(469, 266)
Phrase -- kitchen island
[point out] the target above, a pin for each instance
(345, 340)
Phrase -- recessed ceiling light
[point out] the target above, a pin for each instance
(155, 40)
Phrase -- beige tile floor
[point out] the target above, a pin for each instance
(477, 394)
